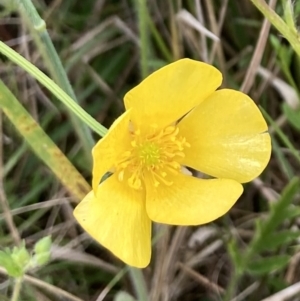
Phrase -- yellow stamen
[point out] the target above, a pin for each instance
(152, 157)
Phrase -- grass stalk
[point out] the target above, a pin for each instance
(289, 33)
(42, 145)
(53, 88)
(141, 5)
(55, 66)
(142, 13)
(17, 289)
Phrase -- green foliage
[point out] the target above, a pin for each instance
(12, 267)
(288, 15)
(276, 239)
(20, 256)
(265, 266)
(18, 260)
(261, 257)
(42, 251)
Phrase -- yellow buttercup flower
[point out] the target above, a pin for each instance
(174, 119)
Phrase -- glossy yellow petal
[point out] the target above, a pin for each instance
(106, 151)
(169, 93)
(117, 219)
(191, 201)
(228, 137)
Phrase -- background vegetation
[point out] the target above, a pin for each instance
(106, 47)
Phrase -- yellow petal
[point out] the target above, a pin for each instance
(107, 150)
(191, 201)
(169, 93)
(117, 219)
(228, 137)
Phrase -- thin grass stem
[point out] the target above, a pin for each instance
(53, 87)
(17, 289)
(144, 36)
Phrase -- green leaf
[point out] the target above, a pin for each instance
(288, 13)
(277, 239)
(42, 251)
(280, 208)
(41, 258)
(291, 212)
(278, 213)
(267, 265)
(12, 268)
(43, 245)
(4, 258)
(20, 256)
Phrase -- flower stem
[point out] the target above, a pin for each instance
(141, 6)
(55, 66)
(139, 283)
(17, 289)
(288, 32)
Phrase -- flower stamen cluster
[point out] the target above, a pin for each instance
(152, 157)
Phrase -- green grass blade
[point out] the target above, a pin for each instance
(53, 87)
(141, 6)
(42, 145)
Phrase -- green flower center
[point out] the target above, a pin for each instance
(149, 154)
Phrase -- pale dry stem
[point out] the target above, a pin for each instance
(258, 53)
